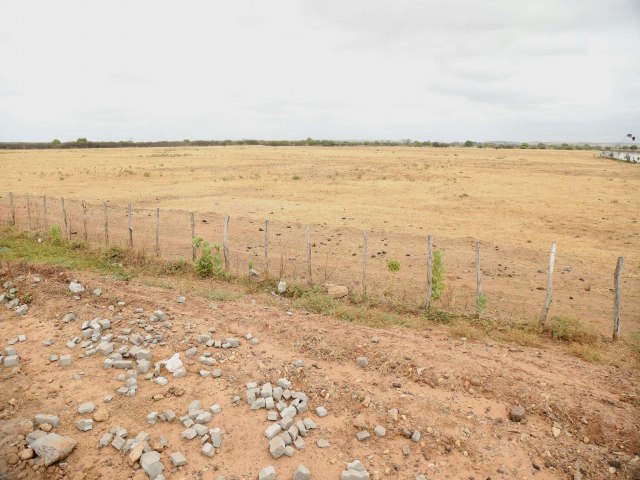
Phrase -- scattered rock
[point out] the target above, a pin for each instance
(53, 447)
(517, 414)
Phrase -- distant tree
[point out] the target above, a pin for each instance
(186, 140)
(542, 146)
(634, 147)
(55, 142)
(469, 143)
(566, 146)
(524, 145)
(309, 141)
(81, 140)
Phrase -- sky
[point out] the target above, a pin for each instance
(543, 70)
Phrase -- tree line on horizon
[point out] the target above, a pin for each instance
(82, 142)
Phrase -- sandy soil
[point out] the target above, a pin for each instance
(514, 201)
(457, 393)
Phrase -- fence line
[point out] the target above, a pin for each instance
(118, 227)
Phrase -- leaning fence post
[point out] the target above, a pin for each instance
(26, 196)
(266, 249)
(157, 232)
(44, 208)
(106, 224)
(616, 298)
(429, 292)
(364, 262)
(12, 210)
(84, 220)
(130, 227)
(310, 280)
(225, 242)
(547, 300)
(193, 235)
(478, 275)
(65, 225)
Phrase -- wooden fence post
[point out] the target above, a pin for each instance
(617, 298)
(65, 225)
(84, 220)
(429, 292)
(310, 280)
(157, 232)
(547, 300)
(364, 262)
(130, 227)
(12, 210)
(192, 215)
(266, 249)
(26, 196)
(106, 224)
(478, 276)
(44, 208)
(225, 243)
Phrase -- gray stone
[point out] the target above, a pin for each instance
(362, 361)
(189, 433)
(52, 447)
(69, 317)
(321, 411)
(41, 418)
(151, 464)
(322, 443)
(11, 361)
(22, 309)
(65, 360)
(178, 459)
(363, 435)
(301, 473)
(277, 447)
(380, 431)
(152, 418)
(161, 381)
(88, 407)
(267, 473)
(208, 450)
(416, 436)
(517, 414)
(180, 372)
(85, 424)
(272, 431)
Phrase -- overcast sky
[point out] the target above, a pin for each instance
(543, 70)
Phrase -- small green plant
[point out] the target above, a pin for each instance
(55, 234)
(437, 275)
(481, 303)
(210, 261)
(393, 266)
(251, 264)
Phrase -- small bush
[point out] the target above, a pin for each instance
(114, 254)
(393, 266)
(568, 330)
(584, 352)
(55, 234)
(437, 275)
(210, 261)
(481, 303)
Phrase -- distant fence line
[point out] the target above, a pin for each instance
(631, 157)
(171, 234)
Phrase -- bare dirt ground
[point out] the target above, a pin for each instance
(457, 393)
(515, 202)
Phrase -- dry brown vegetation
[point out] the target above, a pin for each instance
(514, 201)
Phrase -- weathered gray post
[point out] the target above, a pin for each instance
(225, 243)
(266, 249)
(193, 235)
(478, 275)
(106, 224)
(26, 196)
(65, 225)
(616, 298)
(429, 292)
(549, 297)
(364, 262)
(310, 279)
(157, 232)
(12, 210)
(84, 220)
(130, 227)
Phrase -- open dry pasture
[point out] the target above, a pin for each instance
(515, 202)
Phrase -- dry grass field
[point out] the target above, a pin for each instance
(514, 201)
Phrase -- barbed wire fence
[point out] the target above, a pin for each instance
(314, 253)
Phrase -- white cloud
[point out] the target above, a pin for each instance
(488, 70)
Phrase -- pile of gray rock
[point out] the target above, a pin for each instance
(195, 426)
(355, 471)
(10, 299)
(140, 450)
(285, 434)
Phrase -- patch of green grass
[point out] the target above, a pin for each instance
(568, 330)
(220, 295)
